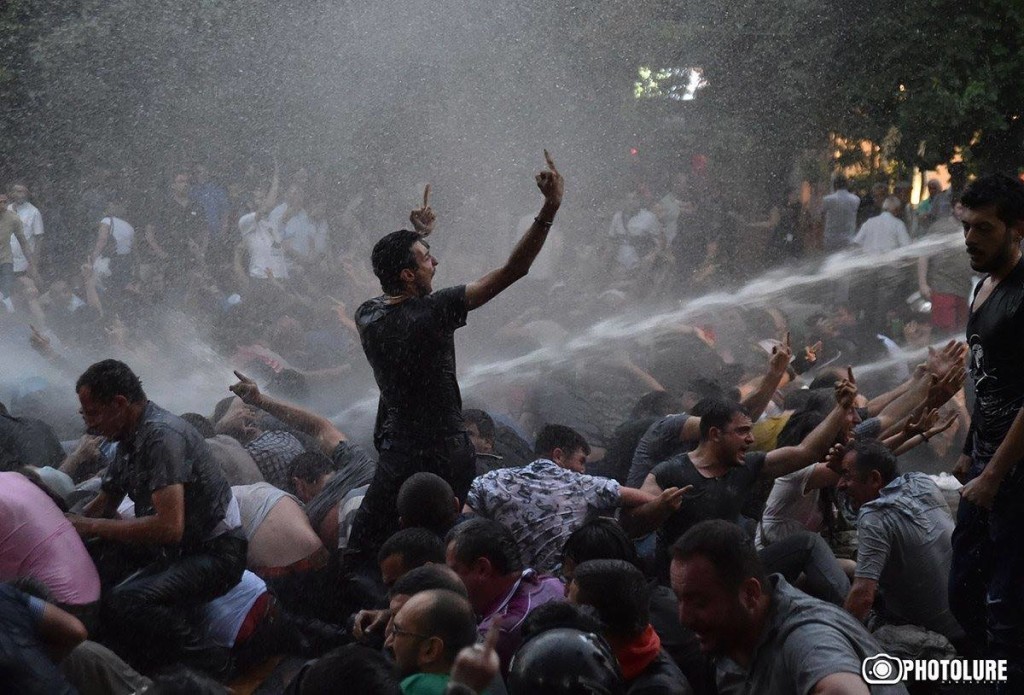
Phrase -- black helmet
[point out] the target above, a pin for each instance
(565, 662)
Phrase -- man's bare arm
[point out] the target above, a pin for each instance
(518, 264)
(165, 527)
(301, 419)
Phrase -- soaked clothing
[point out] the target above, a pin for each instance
(354, 469)
(660, 441)
(804, 641)
(530, 591)
(411, 347)
(542, 504)
(987, 573)
(26, 441)
(273, 453)
(903, 541)
(711, 498)
(165, 450)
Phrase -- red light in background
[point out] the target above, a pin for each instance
(634, 151)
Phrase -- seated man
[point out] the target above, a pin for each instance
(426, 634)
(37, 541)
(904, 550)
(186, 523)
(544, 502)
(485, 556)
(618, 591)
(765, 636)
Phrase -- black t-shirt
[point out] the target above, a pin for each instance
(711, 498)
(165, 450)
(411, 347)
(29, 442)
(661, 441)
(995, 334)
(175, 224)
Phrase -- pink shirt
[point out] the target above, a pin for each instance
(37, 541)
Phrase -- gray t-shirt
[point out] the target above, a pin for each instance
(804, 641)
(660, 441)
(904, 544)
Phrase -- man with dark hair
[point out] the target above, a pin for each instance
(723, 472)
(544, 502)
(408, 337)
(428, 501)
(618, 591)
(185, 516)
(765, 636)
(426, 634)
(408, 549)
(988, 557)
(903, 541)
(481, 431)
(484, 555)
(361, 670)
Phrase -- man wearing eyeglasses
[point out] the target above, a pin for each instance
(426, 635)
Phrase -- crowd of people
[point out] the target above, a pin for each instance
(725, 507)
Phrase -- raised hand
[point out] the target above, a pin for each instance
(423, 218)
(673, 497)
(846, 390)
(945, 387)
(940, 362)
(834, 458)
(246, 389)
(550, 182)
(923, 423)
(781, 355)
(477, 666)
(39, 342)
(811, 352)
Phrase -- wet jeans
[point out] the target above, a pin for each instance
(809, 554)
(156, 608)
(986, 580)
(452, 458)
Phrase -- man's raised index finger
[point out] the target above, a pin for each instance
(242, 377)
(426, 195)
(551, 163)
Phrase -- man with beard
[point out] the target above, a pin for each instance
(987, 575)
(408, 337)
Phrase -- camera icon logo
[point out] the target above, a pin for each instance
(882, 669)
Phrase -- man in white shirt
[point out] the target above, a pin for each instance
(840, 211)
(32, 224)
(884, 232)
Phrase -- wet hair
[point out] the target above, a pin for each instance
(872, 455)
(201, 423)
(560, 614)
(798, 427)
(725, 546)
(553, 437)
(426, 578)
(362, 670)
(484, 423)
(417, 546)
(391, 255)
(655, 404)
(1006, 193)
(450, 617)
(599, 539)
(827, 378)
(619, 593)
(486, 538)
(111, 378)
(427, 500)
(310, 466)
(718, 413)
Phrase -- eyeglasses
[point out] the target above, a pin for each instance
(399, 632)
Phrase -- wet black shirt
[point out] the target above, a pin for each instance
(711, 498)
(165, 450)
(175, 224)
(995, 335)
(411, 347)
(25, 441)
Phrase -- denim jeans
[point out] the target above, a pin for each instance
(808, 553)
(986, 580)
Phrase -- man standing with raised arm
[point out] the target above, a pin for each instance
(408, 337)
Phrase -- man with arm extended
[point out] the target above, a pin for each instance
(408, 337)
